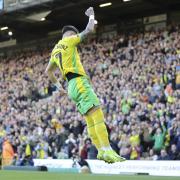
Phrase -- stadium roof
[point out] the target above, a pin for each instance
(52, 15)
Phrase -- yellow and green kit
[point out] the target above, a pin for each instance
(65, 55)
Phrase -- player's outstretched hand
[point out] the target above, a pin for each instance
(60, 92)
(89, 11)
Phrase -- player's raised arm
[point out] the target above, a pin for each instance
(90, 26)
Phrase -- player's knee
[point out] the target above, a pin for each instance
(93, 109)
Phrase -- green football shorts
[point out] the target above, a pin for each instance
(82, 93)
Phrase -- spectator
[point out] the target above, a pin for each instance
(174, 153)
(163, 155)
(159, 138)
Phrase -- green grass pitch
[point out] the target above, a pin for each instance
(22, 175)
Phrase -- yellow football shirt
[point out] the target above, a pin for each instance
(65, 55)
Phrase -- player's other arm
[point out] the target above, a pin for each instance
(50, 70)
(90, 26)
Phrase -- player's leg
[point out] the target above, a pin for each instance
(87, 105)
(81, 92)
(92, 132)
(105, 151)
(92, 128)
(96, 115)
(77, 89)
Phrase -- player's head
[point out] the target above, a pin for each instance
(69, 31)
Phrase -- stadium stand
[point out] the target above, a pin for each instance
(137, 80)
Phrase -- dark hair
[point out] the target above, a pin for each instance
(69, 28)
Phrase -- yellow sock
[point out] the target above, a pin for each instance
(92, 132)
(100, 128)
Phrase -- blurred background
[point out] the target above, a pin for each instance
(132, 58)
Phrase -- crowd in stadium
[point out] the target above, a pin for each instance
(135, 77)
